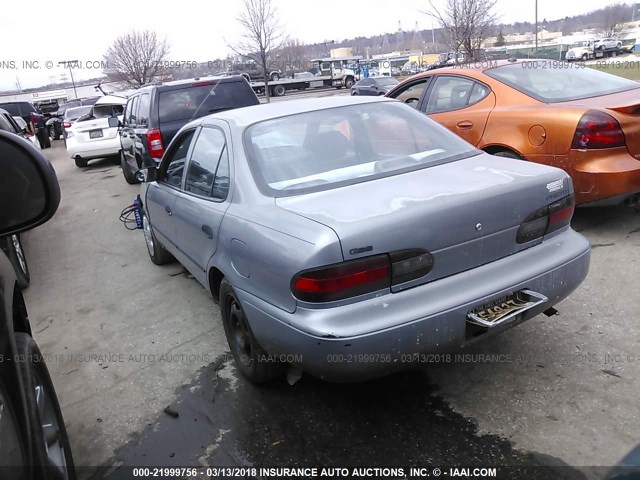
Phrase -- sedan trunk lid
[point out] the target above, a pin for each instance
(466, 213)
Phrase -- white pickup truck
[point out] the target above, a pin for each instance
(594, 48)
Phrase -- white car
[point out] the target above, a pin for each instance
(606, 43)
(94, 135)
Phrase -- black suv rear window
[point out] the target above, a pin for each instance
(12, 108)
(197, 101)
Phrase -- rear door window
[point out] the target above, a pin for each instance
(12, 108)
(197, 101)
(208, 170)
(143, 109)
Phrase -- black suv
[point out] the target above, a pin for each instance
(30, 114)
(155, 113)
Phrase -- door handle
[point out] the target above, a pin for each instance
(208, 231)
(168, 210)
(465, 124)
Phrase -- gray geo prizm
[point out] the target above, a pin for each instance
(350, 236)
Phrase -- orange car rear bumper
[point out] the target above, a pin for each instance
(611, 174)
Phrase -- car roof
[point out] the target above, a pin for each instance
(111, 100)
(242, 117)
(179, 83)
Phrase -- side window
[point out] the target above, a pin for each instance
(127, 111)
(143, 110)
(132, 105)
(5, 124)
(411, 94)
(173, 164)
(449, 93)
(208, 165)
(478, 93)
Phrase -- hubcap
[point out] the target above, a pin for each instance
(50, 427)
(17, 247)
(240, 332)
(148, 237)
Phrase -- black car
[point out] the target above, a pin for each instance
(374, 86)
(252, 71)
(32, 116)
(32, 431)
(155, 113)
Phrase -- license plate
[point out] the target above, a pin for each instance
(95, 133)
(505, 309)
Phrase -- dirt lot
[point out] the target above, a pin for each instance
(125, 339)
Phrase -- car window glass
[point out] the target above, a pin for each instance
(321, 149)
(5, 124)
(204, 161)
(106, 111)
(411, 94)
(143, 109)
(134, 112)
(478, 93)
(221, 181)
(449, 93)
(173, 163)
(200, 100)
(12, 108)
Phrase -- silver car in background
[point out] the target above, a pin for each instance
(351, 236)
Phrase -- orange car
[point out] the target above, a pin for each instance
(561, 114)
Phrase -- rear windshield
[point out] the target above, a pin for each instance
(76, 112)
(194, 102)
(12, 108)
(553, 81)
(106, 111)
(332, 147)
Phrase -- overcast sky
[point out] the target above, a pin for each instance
(200, 31)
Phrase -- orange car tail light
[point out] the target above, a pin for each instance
(598, 130)
(546, 220)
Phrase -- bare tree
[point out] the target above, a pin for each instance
(136, 58)
(612, 17)
(261, 35)
(466, 23)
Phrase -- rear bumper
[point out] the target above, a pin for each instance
(93, 149)
(381, 335)
(604, 176)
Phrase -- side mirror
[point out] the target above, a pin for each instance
(147, 174)
(114, 122)
(29, 189)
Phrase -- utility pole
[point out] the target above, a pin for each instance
(67, 64)
(536, 25)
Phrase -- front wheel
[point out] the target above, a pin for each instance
(49, 443)
(275, 77)
(349, 83)
(18, 259)
(158, 254)
(247, 353)
(585, 57)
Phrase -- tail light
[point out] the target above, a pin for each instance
(361, 276)
(598, 130)
(66, 124)
(154, 143)
(546, 220)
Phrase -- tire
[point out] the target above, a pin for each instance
(157, 253)
(275, 76)
(80, 162)
(585, 57)
(18, 259)
(348, 83)
(278, 90)
(129, 176)
(507, 154)
(618, 45)
(52, 132)
(50, 447)
(354, 93)
(381, 94)
(249, 356)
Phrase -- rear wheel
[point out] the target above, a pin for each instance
(80, 162)
(507, 154)
(18, 259)
(278, 90)
(354, 92)
(158, 254)
(129, 176)
(249, 356)
(51, 450)
(275, 76)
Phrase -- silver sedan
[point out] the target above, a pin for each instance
(350, 237)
